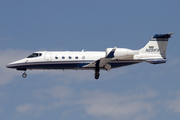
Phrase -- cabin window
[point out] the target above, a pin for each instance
(70, 57)
(63, 57)
(34, 55)
(83, 57)
(56, 57)
(76, 57)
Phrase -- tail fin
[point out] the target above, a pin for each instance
(155, 49)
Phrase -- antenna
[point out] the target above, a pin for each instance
(83, 50)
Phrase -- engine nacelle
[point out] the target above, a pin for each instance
(121, 53)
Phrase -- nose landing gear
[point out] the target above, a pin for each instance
(24, 75)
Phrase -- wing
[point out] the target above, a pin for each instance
(103, 62)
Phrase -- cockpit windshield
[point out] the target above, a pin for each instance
(34, 55)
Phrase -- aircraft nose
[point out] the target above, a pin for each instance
(15, 64)
(9, 65)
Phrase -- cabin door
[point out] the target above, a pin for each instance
(47, 56)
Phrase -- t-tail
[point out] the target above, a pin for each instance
(155, 50)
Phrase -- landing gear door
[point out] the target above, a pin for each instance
(47, 56)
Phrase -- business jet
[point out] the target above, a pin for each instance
(153, 52)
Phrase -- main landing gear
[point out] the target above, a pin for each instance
(97, 74)
(24, 75)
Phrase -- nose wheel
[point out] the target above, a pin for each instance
(24, 75)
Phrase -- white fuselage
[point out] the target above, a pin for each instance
(153, 52)
(66, 60)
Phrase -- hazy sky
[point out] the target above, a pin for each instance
(138, 92)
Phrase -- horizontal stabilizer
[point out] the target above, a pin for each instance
(156, 61)
(168, 35)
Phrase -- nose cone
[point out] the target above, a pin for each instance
(12, 65)
(9, 65)
(16, 64)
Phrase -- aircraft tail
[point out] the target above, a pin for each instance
(155, 50)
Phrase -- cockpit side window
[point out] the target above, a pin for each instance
(34, 55)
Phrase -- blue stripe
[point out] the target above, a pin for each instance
(61, 65)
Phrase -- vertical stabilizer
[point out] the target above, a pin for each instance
(157, 45)
(155, 50)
